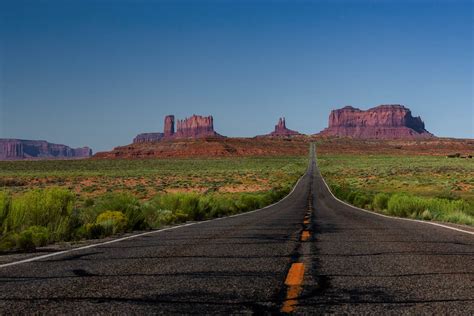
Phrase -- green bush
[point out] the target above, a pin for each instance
(222, 205)
(426, 215)
(112, 222)
(380, 202)
(447, 209)
(8, 241)
(155, 218)
(405, 205)
(362, 200)
(24, 240)
(50, 208)
(39, 216)
(125, 203)
(94, 231)
(5, 202)
(189, 205)
(247, 202)
(343, 192)
(39, 235)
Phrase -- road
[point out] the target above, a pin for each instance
(308, 253)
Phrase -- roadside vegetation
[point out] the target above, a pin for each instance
(34, 217)
(420, 187)
(146, 178)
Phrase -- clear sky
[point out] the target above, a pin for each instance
(96, 73)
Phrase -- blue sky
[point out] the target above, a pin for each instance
(99, 72)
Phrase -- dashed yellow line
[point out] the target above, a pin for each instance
(294, 280)
(295, 275)
(305, 235)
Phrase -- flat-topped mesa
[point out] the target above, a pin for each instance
(195, 126)
(281, 130)
(384, 121)
(148, 137)
(18, 149)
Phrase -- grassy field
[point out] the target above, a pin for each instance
(426, 187)
(147, 177)
(49, 201)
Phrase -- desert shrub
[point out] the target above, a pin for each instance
(430, 208)
(32, 237)
(247, 202)
(167, 201)
(5, 202)
(362, 199)
(405, 205)
(156, 218)
(125, 203)
(89, 202)
(222, 205)
(192, 206)
(24, 240)
(275, 194)
(49, 208)
(180, 217)
(341, 191)
(93, 231)
(39, 235)
(426, 215)
(189, 205)
(352, 196)
(185, 206)
(448, 195)
(459, 217)
(380, 201)
(86, 215)
(7, 241)
(112, 222)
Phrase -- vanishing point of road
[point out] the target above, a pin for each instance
(307, 254)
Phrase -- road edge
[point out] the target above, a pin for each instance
(392, 217)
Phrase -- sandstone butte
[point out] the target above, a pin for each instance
(18, 149)
(193, 127)
(381, 122)
(281, 130)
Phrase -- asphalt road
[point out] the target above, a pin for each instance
(337, 260)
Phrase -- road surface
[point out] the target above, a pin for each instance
(308, 253)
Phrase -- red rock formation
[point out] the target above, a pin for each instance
(281, 130)
(148, 137)
(210, 147)
(17, 149)
(168, 130)
(383, 121)
(195, 126)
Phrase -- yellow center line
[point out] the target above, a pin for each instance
(306, 221)
(305, 235)
(294, 279)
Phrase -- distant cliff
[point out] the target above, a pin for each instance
(18, 149)
(193, 127)
(383, 122)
